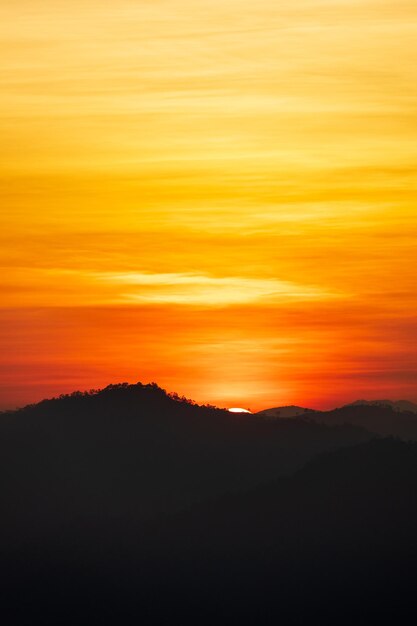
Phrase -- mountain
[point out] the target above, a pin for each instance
(283, 412)
(384, 417)
(133, 451)
(130, 505)
(399, 405)
(333, 543)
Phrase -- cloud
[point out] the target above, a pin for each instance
(207, 290)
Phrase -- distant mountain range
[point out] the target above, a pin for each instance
(294, 411)
(399, 405)
(283, 412)
(383, 417)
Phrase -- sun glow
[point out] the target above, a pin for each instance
(238, 410)
(216, 196)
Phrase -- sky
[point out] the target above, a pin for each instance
(216, 196)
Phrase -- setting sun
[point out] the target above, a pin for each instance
(208, 204)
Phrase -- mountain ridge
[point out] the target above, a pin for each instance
(397, 405)
(290, 410)
(386, 418)
(131, 505)
(136, 451)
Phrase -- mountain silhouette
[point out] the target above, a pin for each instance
(384, 417)
(283, 412)
(134, 451)
(333, 543)
(398, 405)
(128, 504)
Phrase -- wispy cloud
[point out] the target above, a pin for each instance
(203, 289)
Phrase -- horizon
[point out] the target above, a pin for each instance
(219, 197)
(236, 407)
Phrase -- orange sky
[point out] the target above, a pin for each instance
(216, 196)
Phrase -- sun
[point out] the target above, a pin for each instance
(238, 410)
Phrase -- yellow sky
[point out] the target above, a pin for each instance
(218, 196)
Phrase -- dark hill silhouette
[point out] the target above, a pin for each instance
(336, 542)
(387, 418)
(398, 405)
(383, 419)
(333, 543)
(134, 451)
(283, 411)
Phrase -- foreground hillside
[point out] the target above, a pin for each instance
(130, 505)
(334, 543)
(133, 451)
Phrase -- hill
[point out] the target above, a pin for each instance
(384, 417)
(333, 543)
(283, 412)
(398, 405)
(133, 451)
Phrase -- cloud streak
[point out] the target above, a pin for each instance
(200, 289)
